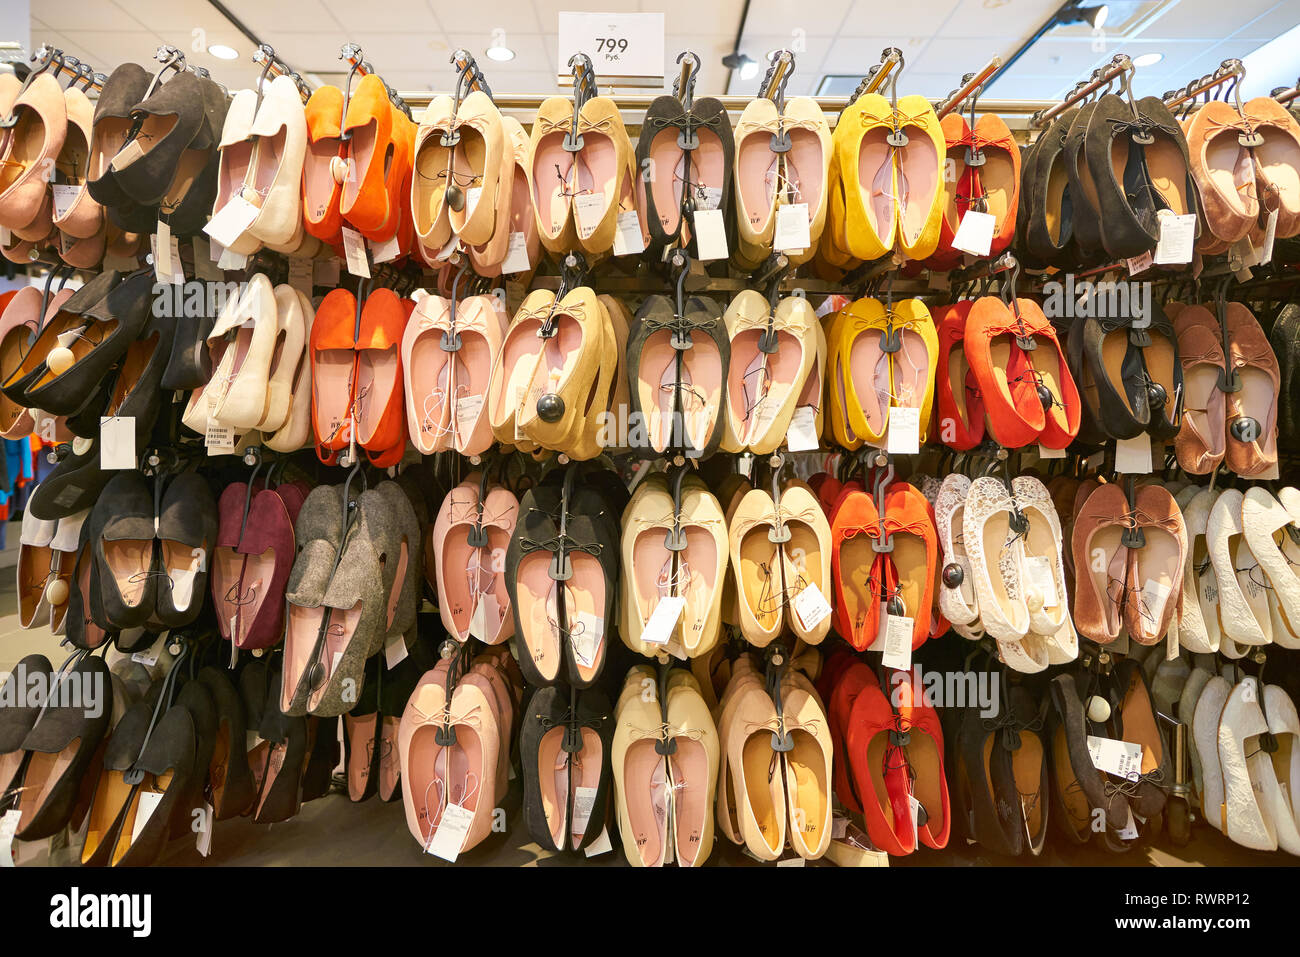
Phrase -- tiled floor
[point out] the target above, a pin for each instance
(333, 831)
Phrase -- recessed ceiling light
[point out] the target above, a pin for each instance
(500, 52)
(749, 69)
(223, 52)
(1148, 59)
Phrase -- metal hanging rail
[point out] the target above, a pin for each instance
(970, 83)
(1103, 76)
(1228, 70)
(264, 56)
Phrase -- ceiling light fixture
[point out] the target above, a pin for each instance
(1095, 17)
(1148, 59)
(742, 62)
(500, 52)
(223, 52)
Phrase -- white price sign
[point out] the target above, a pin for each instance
(625, 48)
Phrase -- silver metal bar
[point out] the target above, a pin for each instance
(966, 89)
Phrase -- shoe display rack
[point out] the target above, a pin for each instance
(706, 479)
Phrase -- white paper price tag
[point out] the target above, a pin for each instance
(64, 197)
(1133, 456)
(811, 606)
(802, 435)
(229, 259)
(1139, 264)
(472, 196)
(904, 436)
(516, 260)
(624, 46)
(1154, 597)
(1038, 570)
(1130, 831)
(219, 439)
(1115, 757)
(710, 197)
(710, 234)
(468, 408)
(792, 235)
(628, 241)
(8, 828)
(1270, 237)
(148, 657)
(300, 274)
(231, 221)
(116, 442)
(600, 845)
(1177, 241)
(975, 233)
(354, 248)
(584, 802)
(590, 210)
(386, 251)
(395, 651)
(585, 635)
(663, 620)
(1045, 453)
(449, 838)
(127, 155)
(898, 643)
(203, 843)
(166, 256)
(148, 801)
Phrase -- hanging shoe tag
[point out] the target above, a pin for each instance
(1177, 241)
(904, 431)
(325, 272)
(8, 828)
(1120, 758)
(792, 231)
(300, 274)
(710, 234)
(811, 606)
(590, 210)
(663, 620)
(395, 651)
(1133, 456)
(166, 256)
(628, 240)
(472, 197)
(64, 197)
(205, 265)
(586, 636)
(516, 260)
(227, 258)
(710, 197)
(584, 802)
(898, 643)
(1041, 580)
(219, 439)
(127, 155)
(1130, 831)
(231, 221)
(1270, 236)
(1045, 453)
(449, 838)
(354, 248)
(1154, 598)
(600, 845)
(147, 802)
(975, 233)
(386, 251)
(468, 408)
(116, 442)
(802, 435)
(478, 620)
(1140, 264)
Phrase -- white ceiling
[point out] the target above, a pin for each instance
(409, 42)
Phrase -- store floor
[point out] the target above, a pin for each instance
(333, 831)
